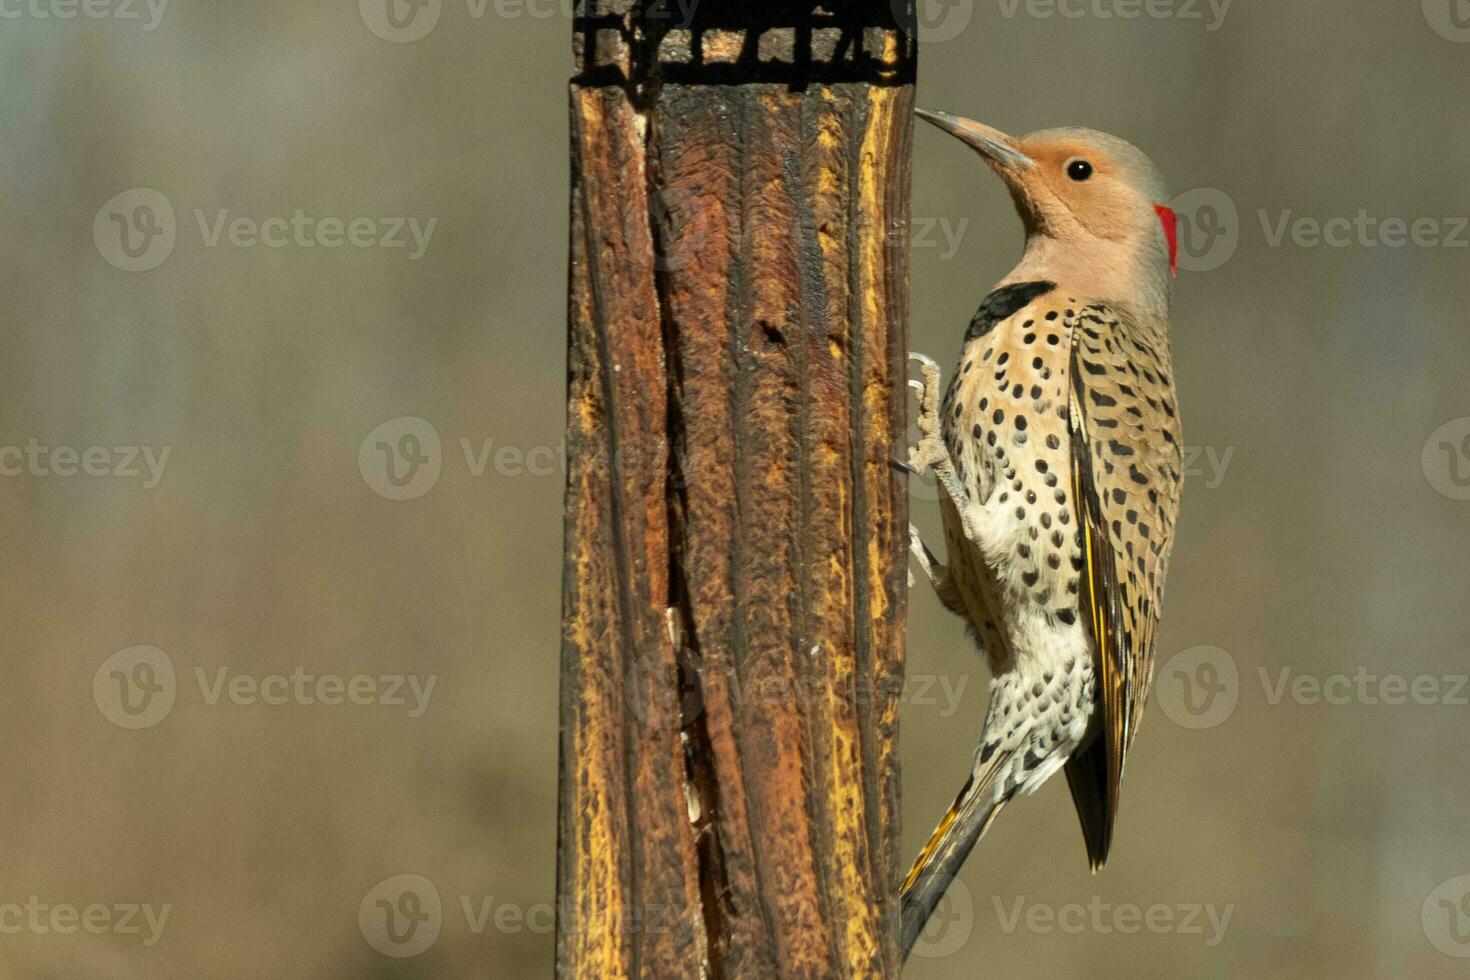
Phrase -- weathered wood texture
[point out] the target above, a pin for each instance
(736, 533)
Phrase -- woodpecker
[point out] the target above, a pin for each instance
(1057, 448)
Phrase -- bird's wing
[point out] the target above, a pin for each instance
(1126, 475)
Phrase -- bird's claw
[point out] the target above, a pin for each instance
(931, 450)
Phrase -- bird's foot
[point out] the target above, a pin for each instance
(931, 452)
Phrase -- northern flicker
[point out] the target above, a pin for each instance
(1057, 447)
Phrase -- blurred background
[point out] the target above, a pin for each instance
(281, 404)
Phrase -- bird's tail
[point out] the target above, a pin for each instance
(939, 862)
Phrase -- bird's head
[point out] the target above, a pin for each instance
(1094, 206)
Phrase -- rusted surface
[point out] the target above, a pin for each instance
(734, 593)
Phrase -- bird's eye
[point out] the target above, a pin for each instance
(1079, 170)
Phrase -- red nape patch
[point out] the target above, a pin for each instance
(1170, 221)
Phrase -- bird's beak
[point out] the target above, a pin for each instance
(995, 146)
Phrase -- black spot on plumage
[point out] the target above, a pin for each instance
(1101, 400)
(1067, 616)
(1004, 303)
(1118, 449)
(1136, 476)
(1021, 423)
